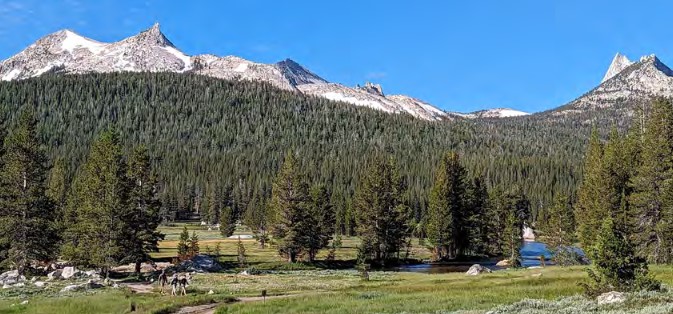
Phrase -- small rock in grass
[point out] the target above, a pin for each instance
(72, 288)
(69, 272)
(55, 274)
(211, 292)
(40, 283)
(477, 269)
(503, 263)
(24, 302)
(611, 297)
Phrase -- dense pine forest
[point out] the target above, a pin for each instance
(220, 143)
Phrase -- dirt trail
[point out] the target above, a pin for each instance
(206, 308)
(140, 287)
(210, 308)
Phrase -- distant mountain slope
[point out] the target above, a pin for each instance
(496, 113)
(626, 85)
(150, 51)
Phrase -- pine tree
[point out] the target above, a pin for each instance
(381, 216)
(57, 189)
(99, 203)
(183, 244)
(590, 204)
(227, 222)
(193, 248)
(28, 230)
(289, 203)
(447, 222)
(240, 256)
(651, 181)
(257, 217)
(478, 217)
(615, 265)
(144, 214)
(516, 209)
(559, 231)
(321, 221)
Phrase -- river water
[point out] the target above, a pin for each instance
(530, 254)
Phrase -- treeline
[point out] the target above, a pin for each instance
(109, 215)
(464, 219)
(218, 144)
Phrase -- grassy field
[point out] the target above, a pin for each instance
(337, 291)
(208, 240)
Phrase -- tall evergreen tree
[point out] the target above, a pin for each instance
(144, 215)
(183, 244)
(99, 203)
(559, 230)
(516, 209)
(289, 203)
(321, 221)
(447, 221)
(28, 231)
(651, 181)
(57, 183)
(381, 216)
(479, 217)
(227, 222)
(590, 204)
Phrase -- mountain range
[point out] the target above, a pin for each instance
(625, 82)
(150, 51)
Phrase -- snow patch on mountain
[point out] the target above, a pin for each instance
(74, 41)
(13, 74)
(186, 60)
(495, 113)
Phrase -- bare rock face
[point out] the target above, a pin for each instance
(619, 63)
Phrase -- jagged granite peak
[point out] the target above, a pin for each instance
(618, 64)
(152, 36)
(639, 82)
(297, 74)
(372, 88)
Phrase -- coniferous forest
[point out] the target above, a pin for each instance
(219, 144)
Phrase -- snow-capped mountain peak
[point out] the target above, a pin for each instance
(67, 52)
(618, 64)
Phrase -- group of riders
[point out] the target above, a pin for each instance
(178, 283)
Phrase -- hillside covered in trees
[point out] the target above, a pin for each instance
(220, 143)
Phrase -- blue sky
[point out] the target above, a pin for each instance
(458, 55)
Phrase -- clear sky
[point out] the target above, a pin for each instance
(458, 55)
